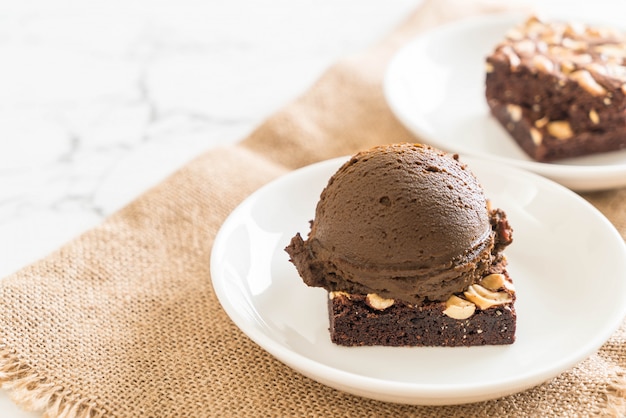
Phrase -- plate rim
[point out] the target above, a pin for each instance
(396, 391)
(562, 173)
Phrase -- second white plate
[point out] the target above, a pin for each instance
(435, 86)
(571, 293)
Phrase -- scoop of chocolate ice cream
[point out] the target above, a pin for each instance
(405, 221)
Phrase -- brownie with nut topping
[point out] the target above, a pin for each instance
(559, 88)
(356, 320)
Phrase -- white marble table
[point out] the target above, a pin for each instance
(99, 100)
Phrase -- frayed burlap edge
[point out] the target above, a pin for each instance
(616, 398)
(34, 393)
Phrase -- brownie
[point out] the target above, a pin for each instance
(560, 88)
(462, 320)
(354, 323)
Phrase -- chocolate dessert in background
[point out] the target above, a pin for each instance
(559, 88)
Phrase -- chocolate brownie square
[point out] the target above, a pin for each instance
(482, 315)
(358, 320)
(560, 88)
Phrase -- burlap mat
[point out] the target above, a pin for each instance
(123, 321)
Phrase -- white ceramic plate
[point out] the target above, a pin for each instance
(567, 261)
(435, 86)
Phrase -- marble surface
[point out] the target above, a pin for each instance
(100, 100)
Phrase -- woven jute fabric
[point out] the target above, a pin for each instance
(123, 320)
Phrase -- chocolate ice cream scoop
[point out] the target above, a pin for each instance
(404, 221)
